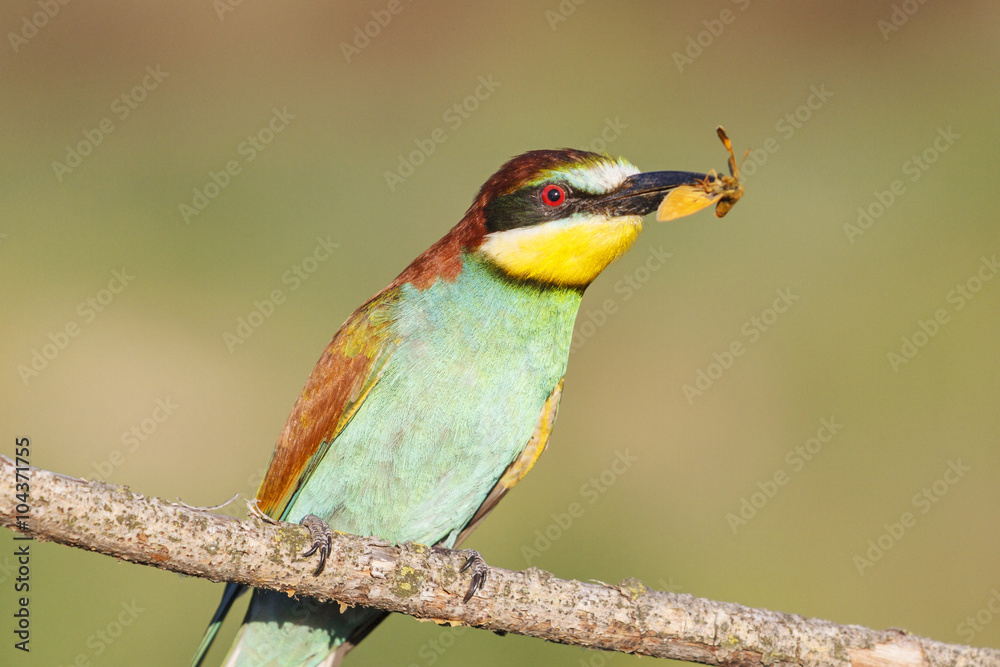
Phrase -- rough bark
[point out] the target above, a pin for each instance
(425, 582)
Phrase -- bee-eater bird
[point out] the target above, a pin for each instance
(439, 394)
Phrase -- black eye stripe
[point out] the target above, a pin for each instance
(529, 206)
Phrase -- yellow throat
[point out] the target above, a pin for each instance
(564, 252)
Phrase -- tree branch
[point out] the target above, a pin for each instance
(425, 582)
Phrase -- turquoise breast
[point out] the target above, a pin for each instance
(454, 406)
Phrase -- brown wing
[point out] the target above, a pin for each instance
(522, 464)
(345, 373)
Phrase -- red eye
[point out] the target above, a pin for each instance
(553, 195)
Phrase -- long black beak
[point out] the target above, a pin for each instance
(642, 193)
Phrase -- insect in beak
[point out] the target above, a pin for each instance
(723, 191)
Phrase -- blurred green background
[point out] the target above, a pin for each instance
(837, 101)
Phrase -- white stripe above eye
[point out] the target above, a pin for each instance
(597, 177)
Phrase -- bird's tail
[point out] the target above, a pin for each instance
(280, 630)
(232, 592)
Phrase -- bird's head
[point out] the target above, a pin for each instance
(558, 217)
(561, 216)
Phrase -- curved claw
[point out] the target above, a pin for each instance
(322, 539)
(480, 570)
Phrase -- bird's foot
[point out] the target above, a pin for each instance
(322, 539)
(479, 569)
